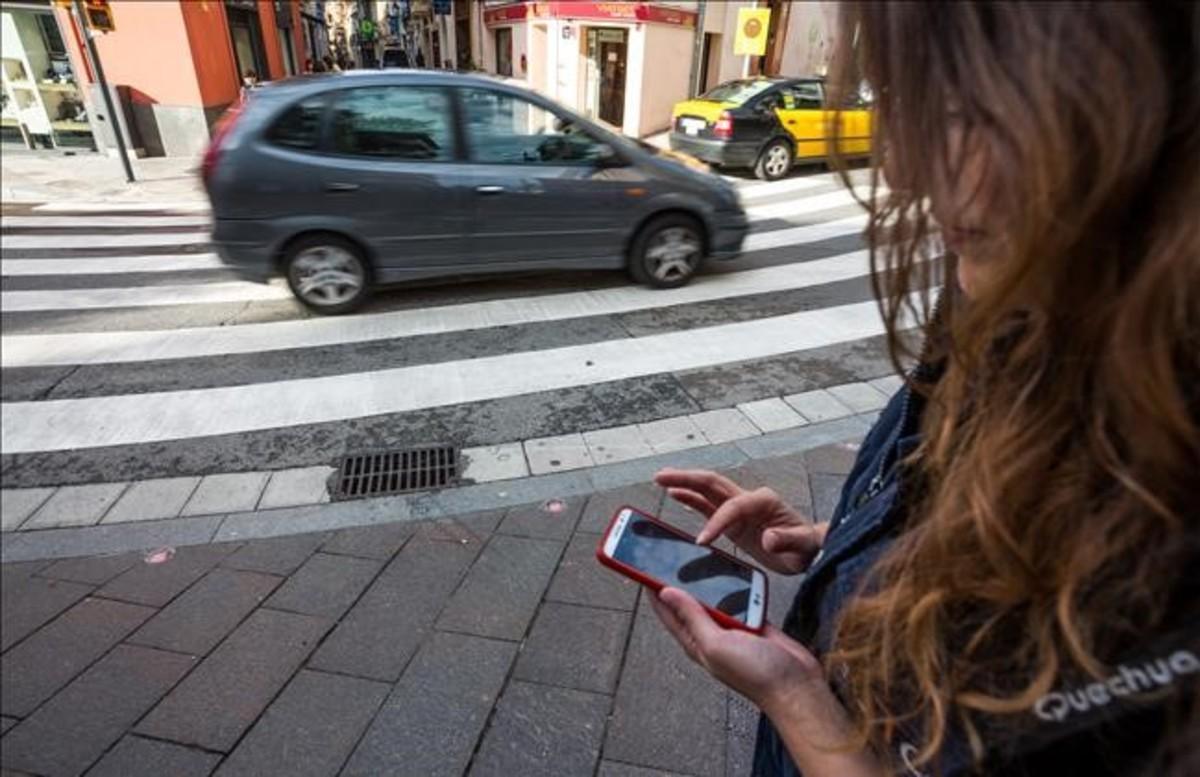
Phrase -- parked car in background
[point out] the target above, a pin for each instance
(767, 124)
(345, 182)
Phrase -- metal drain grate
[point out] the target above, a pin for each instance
(396, 472)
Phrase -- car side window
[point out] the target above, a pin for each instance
(771, 101)
(506, 129)
(394, 122)
(299, 126)
(807, 96)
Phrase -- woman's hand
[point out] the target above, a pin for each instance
(780, 677)
(763, 668)
(758, 521)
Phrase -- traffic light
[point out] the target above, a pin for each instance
(99, 15)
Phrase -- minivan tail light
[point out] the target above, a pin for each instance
(221, 131)
(724, 126)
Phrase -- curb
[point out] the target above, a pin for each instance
(105, 539)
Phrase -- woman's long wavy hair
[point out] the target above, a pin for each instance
(1059, 471)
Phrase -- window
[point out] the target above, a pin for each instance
(737, 91)
(300, 125)
(504, 129)
(397, 122)
(807, 95)
(504, 51)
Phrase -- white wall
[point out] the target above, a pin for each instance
(809, 42)
(666, 71)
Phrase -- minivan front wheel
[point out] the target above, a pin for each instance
(667, 252)
(328, 274)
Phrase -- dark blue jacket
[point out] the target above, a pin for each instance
(867, 519)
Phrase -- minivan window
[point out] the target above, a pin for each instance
(396, 122)
(300, 124)
(506, 129)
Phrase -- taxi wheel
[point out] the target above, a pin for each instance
(775, 161)
(667, 252)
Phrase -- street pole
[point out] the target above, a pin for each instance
(697, 52)
(114, 120)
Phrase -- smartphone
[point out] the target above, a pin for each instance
(658, 555)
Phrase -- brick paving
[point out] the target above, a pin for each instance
(484, 644)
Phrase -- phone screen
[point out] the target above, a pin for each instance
(676, 560)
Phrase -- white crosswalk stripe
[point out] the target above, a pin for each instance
(114, 371)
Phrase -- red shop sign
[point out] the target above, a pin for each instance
(506, 13)
(611, 11)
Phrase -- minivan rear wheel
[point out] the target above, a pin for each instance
(328, 274)
(667, 251)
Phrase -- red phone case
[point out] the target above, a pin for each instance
(657, 585)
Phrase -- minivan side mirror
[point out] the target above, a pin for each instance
(607, 156)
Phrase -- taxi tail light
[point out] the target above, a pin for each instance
(724, 126)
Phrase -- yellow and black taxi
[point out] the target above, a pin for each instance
(767, 124)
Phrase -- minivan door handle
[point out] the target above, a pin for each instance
(490, 189)
(341, 187)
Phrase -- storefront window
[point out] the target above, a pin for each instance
(40, 104)
(246, 33)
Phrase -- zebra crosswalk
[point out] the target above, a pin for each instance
(128, 352)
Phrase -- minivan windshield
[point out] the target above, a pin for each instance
(736, 91)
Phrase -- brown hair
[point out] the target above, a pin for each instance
(1058, 469)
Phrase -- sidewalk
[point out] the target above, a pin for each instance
(87, 177)
(488, 643)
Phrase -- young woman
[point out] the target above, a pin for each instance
(1010, 583)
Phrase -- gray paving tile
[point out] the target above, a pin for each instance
(50, 658)
(294, 487)
(539, 730)
(741, 731)
(673, 434)
(219, 700)
(771, 415)
(602, 505)
(199, 618)
(7, 723)
(553, 519)
(643, 470)
(387, 625)
(226, 493)
(75, 506)
(108, 538)
(17, 504)
(725, 425)
(429, 725)
(580, 579)
(818, 405)
(859, 397)
(888, 384)
(494, 462)
(138, 757)
(482, 523)
(805, 438)
(326, 585)
(378, 542)
(310, 729)
(826, 490)
(75, 727)
(503, 588)
(834, 459)
(157, 584)
(26, 603)
(149, 500)
(555, 454)
(276, 555)
(94, 570)
(615, 769)
(668, 713)
(788, 477)
(619, 443)
(574, 647)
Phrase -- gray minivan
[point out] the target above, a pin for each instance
(346, 181)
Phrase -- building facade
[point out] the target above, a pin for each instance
(628, 63)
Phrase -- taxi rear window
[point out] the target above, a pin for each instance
(736, 91)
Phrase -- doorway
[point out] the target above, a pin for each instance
(605, 89)
(247, 39)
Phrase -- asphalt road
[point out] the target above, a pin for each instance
(129, 353)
